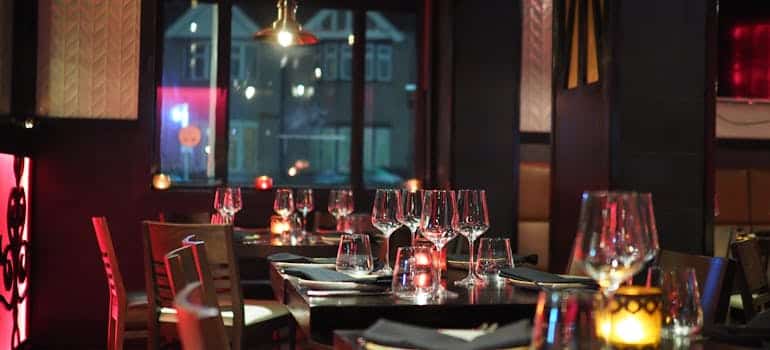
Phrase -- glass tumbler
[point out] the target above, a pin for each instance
(683, 315)
(565, 320)
(494, 255)
(354, 255)
(413, 273)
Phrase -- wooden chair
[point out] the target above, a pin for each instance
(195, 331)
(752, 280)
(244, 319)
(201, 217)
(200, 324)
(128, 311)
(715, 276)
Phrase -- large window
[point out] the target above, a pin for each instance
(290, 113)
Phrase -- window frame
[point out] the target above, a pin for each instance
(421, 121)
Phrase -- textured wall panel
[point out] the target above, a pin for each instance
(88, 65)
(536, 66)
(6, 24)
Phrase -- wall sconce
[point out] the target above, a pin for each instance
(633, 318)
(161, 181)
(263, 182)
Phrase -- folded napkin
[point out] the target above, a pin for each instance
(532, 275)
(294, 258)
(397, 334)
(326, 275)
(530, 259)
(289, 257)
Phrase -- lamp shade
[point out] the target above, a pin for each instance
(286, 31)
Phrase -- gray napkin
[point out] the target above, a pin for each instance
(326, 275)
(532, 275)
(397, 334)
(294, 258)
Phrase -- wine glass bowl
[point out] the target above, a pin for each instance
(304, 204)
(283, 204)
(409, 209)
(611, 244)
(340, 203)
(227, 201)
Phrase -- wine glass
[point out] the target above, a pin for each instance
(219, 201)
(409, 208)
(283, 204)
(227, 201)
(472, 220)
(647, 214)
(611, 244)
(385, 219)
(304, 204)
(439, 207)
(340, 203)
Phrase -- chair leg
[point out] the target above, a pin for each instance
(292, 335)
(111, 328)
(120, 333)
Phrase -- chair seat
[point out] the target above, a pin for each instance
(254, 312)
(136, 316)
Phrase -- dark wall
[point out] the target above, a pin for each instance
(486, 53)
(663, 113)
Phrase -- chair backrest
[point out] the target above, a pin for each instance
(181, 269)
(110, 259)
(534, 210)
(161, 238)
(715, 276)
(200, 324)
(201, 217)
(749, 257)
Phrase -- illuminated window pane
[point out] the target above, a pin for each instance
(390, 98)
(188, 96)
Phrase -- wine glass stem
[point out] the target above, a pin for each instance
(304, 220)
(470, 257)
(387, 251)
(438, 267)
(414, 233)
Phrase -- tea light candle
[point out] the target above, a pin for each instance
(633, 318)
(423, 280)
(413, 185)
(278, 225)
(161, 181)
(263, 182)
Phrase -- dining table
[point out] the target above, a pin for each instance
(252, 246)
(318, 317)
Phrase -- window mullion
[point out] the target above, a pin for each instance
(358, 85)
(221, 144)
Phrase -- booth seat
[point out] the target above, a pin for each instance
(534, 210)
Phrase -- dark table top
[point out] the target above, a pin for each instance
(318, 317)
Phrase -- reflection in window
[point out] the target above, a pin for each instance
(289, 109)
(389, 98)
(188, 95)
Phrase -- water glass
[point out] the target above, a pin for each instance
(494, 255)
(683, 315)
(413, 273)
(565, 320)
(354, 255)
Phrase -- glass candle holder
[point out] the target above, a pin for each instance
(279, 225)
(632, 319)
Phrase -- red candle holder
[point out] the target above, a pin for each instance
(263, 182)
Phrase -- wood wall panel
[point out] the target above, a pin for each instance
(536, 67)
(89, 59)
(6, 28)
